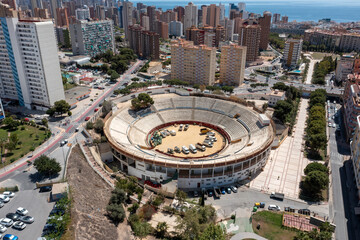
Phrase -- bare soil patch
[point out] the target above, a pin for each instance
(90, 196)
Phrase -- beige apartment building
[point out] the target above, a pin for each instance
(232, 64)
(193, 64)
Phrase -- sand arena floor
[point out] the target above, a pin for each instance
(191, 136)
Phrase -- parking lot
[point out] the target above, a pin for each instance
(37, 205)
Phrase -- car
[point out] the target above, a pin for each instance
(26, 219)
(234, 189)
(4, 198)
(196, 194)
(19, 225)
(228, 190)
(9, 194)
(2, 228)
(334, 125)
(329, 125)
(10, 237)
(13, 216)
(96, 109)
(77, 129)
(274, 207)
(222, 190)
(304, 211)
(7, 222)
(87, 118)
(210, 193)
(62, 143)
(45, 189)
(22, 211)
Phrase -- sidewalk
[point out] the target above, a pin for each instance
(286, 164)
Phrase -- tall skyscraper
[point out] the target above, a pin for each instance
(151, 12)
(292, 52)
(212, 15)
(176, 28)
(229, 31)
(145, 22)
(285, 19)
(82, 13)
(222, 12)
(127, 9)
(276, 18)
(92, 37)
(100, 12)
(232, 64)
(144, 43)
(193, 64)
(242, 6)
(265, 22)
(249, 36)
(30, 69)
(191, 16)
(62, 17)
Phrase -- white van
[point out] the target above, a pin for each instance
(192, 148)
(274, 207)
(185, 150)
(200, 147)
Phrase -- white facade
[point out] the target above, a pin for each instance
(191, 16)
(127, 17)
(146, 23)
(32, 70)
(82, 13)
(176, 28)
(241, 6)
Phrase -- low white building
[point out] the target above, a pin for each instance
(276, 96)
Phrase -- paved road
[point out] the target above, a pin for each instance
(338, 148)
(245, 198)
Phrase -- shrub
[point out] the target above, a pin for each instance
(133, 208)
(146, 212)
(22, 128)
(116, 213)
(12, 160)
(89, 125)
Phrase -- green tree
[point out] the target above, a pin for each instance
(135, 79)
(59, 107)
(282, 109)
(47, 166)
(44, 122)
(315, 166)
(14, 139)
(99, 126)
(213, 232)
(180, 196)
(315, 181)
(118, 196)
(161, 229)
(107, 107)
(142, 101)
(114, 76)
(116, 213)
(10, 123)
(133, 208)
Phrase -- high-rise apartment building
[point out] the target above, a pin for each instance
(151, 12)
(144, 43)
(232, 64)
(249, 36)
(242, 6)
(344, 66)
(100, 12)
(276, 18)
(285, 19)
(62, 17)
(193, 64)
(41, 13)
(350, 42)
(212, 15)
(180, 13)
(265, 22)
(92, 37)
(127, 9)
(145, 22)
(355, 155)
(162, 29)
(176, 28)
(191, 16)
(30, 68)
(82, 13)
(351, 104)
(292, 52)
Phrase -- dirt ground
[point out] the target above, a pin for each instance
(90, 196)
(190, 136)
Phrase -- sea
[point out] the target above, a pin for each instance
(299, 10)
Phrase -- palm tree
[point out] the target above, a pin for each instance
(161, 229)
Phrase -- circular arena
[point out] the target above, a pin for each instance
(224, 142)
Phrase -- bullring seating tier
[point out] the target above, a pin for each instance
(130, 132)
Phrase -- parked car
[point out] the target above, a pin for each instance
(19, 225)
(10, 237)
(87, 118)
(222, 190)
(22, 211)
(9, 194)
(304, 211)
(27, 219)
(234, 189)
(96, 109)
(45, 189)
(13, 216)
(196, 194)
(7, 222)
(2, 228)
(274, 207)
(210, 192)
(1, 204)
(289, 209)
(228, 190)
(4, 198)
